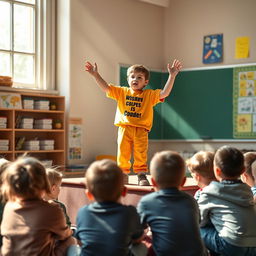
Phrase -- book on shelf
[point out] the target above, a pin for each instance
(4, 142)
(19, 143)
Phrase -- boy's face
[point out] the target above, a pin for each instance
(137, 81)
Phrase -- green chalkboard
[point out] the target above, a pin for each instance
(199, 107)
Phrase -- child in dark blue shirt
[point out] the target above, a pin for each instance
(172, 215)
(106, 227)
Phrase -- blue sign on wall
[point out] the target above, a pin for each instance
(213, 49)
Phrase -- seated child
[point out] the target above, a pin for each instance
(247, 176)
(106, 227)
(200, 166)
(172, 215)
(3, 165)
(228, 205)
(55, 179)
(31, 226)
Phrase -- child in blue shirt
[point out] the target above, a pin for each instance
(172, 215)
(106, 227)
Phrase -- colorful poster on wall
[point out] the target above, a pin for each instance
(242, 47)
(213, 49)
(75, 139)
(244, 107)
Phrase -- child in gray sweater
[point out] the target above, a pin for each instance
(228, 205)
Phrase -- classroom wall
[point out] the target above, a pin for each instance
(107, 32)
(110, 32)
(187, 22)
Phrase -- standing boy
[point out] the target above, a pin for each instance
(134, 115)
(228, 205)
(172, 215)
(106, 227)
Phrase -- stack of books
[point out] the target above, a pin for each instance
(31, 145)
(45, 123)
(26, 123)
(47, 163)
(42, 104)
(4, 144)
(28, 103)
(46, 144)
(3, 122)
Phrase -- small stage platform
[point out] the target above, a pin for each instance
(72, 193)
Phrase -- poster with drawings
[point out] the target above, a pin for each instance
(75, 139)
(244, 107)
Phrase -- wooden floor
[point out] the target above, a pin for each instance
(72, 193)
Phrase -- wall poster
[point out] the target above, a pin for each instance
(75, 139)
(213, 49)
(244, 102)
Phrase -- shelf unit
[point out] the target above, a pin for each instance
(58, 155)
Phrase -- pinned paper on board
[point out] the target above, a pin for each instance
(242, 47)
(244, 107)
(75, 139)
(244, 123)
(213, 49)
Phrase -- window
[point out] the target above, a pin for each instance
(27, 42)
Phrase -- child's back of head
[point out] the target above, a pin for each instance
(167, 169)
(201, 167)
(24, 178)
(230, 161)
(104, 180)
(247, 176)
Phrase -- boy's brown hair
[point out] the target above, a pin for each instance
(54, 176)
(25, 178)
(202, 163)
(104, 180)
(249, 158)
(230, 161)
(167, 169)
(139, 68)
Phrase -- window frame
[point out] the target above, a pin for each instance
(44, 45)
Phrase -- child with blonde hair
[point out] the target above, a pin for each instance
(200, 166)
(250, 170)
(31, 225)
(55, 179)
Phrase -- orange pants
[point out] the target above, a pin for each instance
(134, 139)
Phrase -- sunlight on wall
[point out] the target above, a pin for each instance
(187, 130)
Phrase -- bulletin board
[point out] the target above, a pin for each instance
(244, 95)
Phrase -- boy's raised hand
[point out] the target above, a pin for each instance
(175, 68)
(91, 69)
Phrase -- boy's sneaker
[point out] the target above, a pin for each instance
(142, 179)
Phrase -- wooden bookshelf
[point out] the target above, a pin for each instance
(13, 131)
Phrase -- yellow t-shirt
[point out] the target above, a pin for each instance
(134, 108)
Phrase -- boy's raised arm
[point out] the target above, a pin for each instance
(93, 70)
(173, 71)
